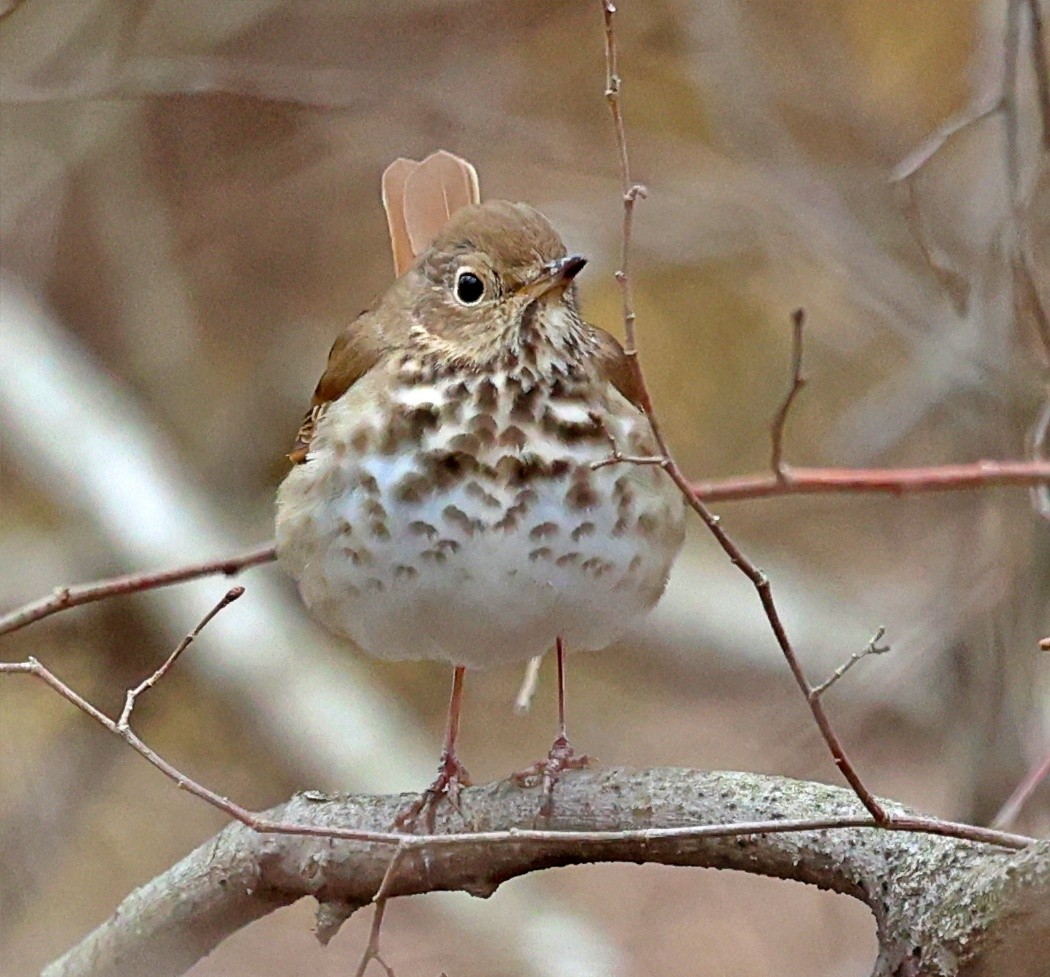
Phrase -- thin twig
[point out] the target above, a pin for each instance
(129, 703)
(735, 554)
(65, 597)
(372, 950)
(264, 825)
(871, 648)
(631, 190)
(798, 381)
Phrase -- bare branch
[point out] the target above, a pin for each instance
(609, 815)
(133, 694)
(65, 597)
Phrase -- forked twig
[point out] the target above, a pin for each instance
(129, 703)
(372, 949)
(871, 648)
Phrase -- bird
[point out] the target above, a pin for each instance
(467, 486)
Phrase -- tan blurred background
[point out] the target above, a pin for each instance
(189, 212)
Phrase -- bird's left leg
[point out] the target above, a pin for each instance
(451, 773)
(561, 756)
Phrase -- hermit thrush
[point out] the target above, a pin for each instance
(456, 496)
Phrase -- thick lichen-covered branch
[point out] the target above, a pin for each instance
(941, 904)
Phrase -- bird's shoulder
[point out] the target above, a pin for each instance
(362, 347)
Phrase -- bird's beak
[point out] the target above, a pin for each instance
(555, 277)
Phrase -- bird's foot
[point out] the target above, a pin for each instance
(548, 772)
(452, 775)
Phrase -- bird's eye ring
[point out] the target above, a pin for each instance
(470, 289)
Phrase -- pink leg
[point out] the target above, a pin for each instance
(451, 773)
(561, 756)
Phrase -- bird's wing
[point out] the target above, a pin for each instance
(357, 349)
(614, 366)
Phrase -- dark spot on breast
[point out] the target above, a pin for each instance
(361, 440)
(486, 395)
(374, 585)
(413, 487)
(404, 572)
(484, 427)
(451, 411)
(544, 530)
(374, 509)
(477, 491)
(512, 437)
(357, 555)
(378, 530)
(581, 494)
(468, 443)
(449, 546)
(523, 407)
(597, 566)
(433, 556)
(461, 520)
(583, 529)
(543, 553)
(648, 523)
(508, 523)
(420, 528)
(568, 559)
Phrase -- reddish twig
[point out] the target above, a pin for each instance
(65, 597)
(133, 694)
(887, 481)
(753, 573)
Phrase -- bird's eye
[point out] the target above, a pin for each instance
(469, 288)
